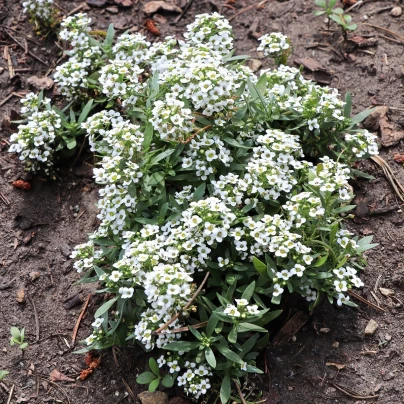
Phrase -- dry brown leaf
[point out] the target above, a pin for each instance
(153, 6)
(40, 83)
(399, 158)
(387, 292)
(20, 296)
(379, 121)
(56, 376)
(339, 366)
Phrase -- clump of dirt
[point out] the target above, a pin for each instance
(329, 359)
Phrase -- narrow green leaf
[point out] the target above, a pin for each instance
(182, 346)
(249, 291)
(227, 353)
(154, 384)
(225, 390)
(210, 357)
(154, 367)
(105, 307)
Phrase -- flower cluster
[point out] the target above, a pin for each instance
(275, 45)
(38, 10)
(218, 186)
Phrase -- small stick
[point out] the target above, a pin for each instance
(80, 214)
(5, 200)
(29, 52)
(21, 33)
(240, 393)
(363, 300)
(187, 306)
(249, 8)
(56, 385)
(385, 30)
(182, 329)
(9, 62)
(76, 327)
(36, 318)
(10, 396)
(353, 6)
(390, 39)
(183, 11)
(353, 394)
(130, 391)
(76, 9)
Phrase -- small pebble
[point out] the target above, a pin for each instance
(371, 327)
(396, 11)
(387, 337)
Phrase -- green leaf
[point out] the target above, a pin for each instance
(249, 291)
(244, 327)
(268, 317)
(86, 110)
(109, 38)
(210, 357)
(3, 374)
(210, 327)
(195, 332)
(168, 381)
(321, 3)
(343, 209)
(223, 317)
(348, 105)
(260, 266)
(154, 366)
(199, 192)
(361, 116)
(15, 332)
(227, 353)
(105, 307)
(317, 13)
(352, 27)
(24, 345)
(232, 337)
(184, 346)
(320, 261)
(233, 142)
(161, 156)
(145, 378)
(253, 369)
(225, 390)
(154, 384)
(148, 136)
(71, 143)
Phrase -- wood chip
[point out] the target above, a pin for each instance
(387, 292)
(40, 83)
(20, 296)
(339, 366)
(154, 6)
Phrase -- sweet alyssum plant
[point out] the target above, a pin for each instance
(222, 192)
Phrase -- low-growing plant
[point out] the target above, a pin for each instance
(153, 378)
(41, 13)
(336, 14)
(18, 338)
(222, 192)
(3, 374)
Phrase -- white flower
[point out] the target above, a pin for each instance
(97, 323)
(126, 293)
(232, 311)
(277, 290)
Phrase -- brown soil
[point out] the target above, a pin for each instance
(39, 227)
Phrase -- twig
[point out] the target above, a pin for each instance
(76, 9)
(353, 6)
(29, 52)
(183, 11)
(186, 307)
(10, 396)
(182, 329)
(394, 182)
(363, 300)
(9, 62)
(36, 318)
(21, 33)
(130, 391)
(5, 200)
(240, 393)
(352, 393)
(261, 3)
(384, 29)
(80, 214)
(76, 327)
(56, 385)
(391, 39)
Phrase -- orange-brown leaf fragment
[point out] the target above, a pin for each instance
(85, 373)
(56, 376)
(151, 27)
(21, 184)
(399, 158)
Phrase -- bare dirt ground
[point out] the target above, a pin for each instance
(39, 227)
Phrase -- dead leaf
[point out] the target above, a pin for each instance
(20, 296)
(399, 158)
(379, 121)
(153, 6)
(320, 73)
(361, 42)
(40, 83)
(339, 366)
(56, 376)
(387, 292)
(291, 328)
(85, 373)
(348, 3)
(21, 184)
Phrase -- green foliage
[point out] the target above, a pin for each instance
(154, 378)
(17, 337)
(3, 374)
(336, 14)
